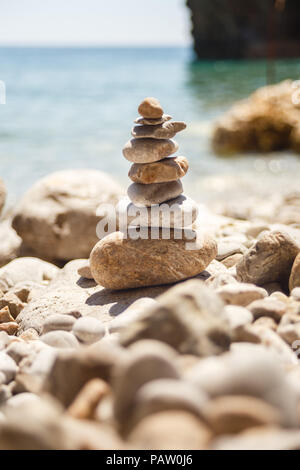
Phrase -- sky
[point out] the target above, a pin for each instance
(94, 22)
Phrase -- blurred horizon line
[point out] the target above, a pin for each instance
(95, 46)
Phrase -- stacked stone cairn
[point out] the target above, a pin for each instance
(165, 249)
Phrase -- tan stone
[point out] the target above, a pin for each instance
(167, 130)
(155, 193)
(295, 274)
(87, 400)
(120, 263)
(149, 150)
(13, 302)
(85, 271)
(144, 362)
(189, 317)
(5, 315)
(170, 430)
(268, 307)
(10, 327)
(232, 260)
(268, 120)
(241, 294)
(168, 169)
(266, 322)
(231, 414)
(57, 217)
(269, 260)
(153, 122)
(150, 108)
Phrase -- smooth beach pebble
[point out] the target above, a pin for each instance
(58, 322)
(155, 193)
(152, 122)
(168, 169)
(150, 108)
(149, 150)
(241, 294)
(8, 367)
(167, 130)
(60, 339)
(120, 261)
(84, 271)
(179, 212)
(88, 329)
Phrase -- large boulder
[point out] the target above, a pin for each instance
(57, 217)
(267, 121)
(68, 293)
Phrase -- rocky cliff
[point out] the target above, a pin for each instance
(252, 28)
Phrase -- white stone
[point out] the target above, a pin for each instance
(88, 329)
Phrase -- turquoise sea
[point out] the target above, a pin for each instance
(74, 108)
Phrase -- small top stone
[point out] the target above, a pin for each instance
(152, 122)
(150, 108)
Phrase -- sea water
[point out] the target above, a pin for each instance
(74, 108)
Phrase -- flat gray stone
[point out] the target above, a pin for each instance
(155, 193)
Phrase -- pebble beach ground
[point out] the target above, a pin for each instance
(84, 367)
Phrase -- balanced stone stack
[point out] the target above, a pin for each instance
(124, 260)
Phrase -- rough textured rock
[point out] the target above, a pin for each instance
(266, 121)
(150, 108)
(162, 431)
(168, 130)
(241, 294)
(116, 261)
(153, 122)
(189, 317)
(176, 213)
(2, 195)
(155, 193)
(57, 217)
(295, 274)
(168, 169)
(70, 294)
(239, 32)
(148, 150)
(26, 269)
(269, 260)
